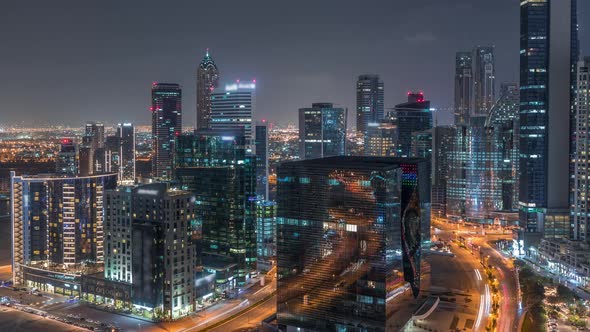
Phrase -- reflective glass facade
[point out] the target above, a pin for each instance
(548, 44)
(410, 117)
(166, 125)
(322, 131)
(369, 101)
(213, 165)
(348, 241)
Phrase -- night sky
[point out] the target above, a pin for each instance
(68, 62)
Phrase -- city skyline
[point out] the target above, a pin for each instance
(276, 57)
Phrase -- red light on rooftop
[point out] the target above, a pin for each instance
(152, 108)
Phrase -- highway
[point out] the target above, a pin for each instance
(509, 313)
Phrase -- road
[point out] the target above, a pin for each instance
(15, 320)
(509, 313)
(250, 319)
(452, 276)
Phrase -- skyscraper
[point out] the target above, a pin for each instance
(547, 50)
(348, 239)
(261, 147)
(369, 101)
(266, 234)
(126, 134)
(322, 131)
(166, 125)
(503, 119)
(207, 81)
(233, 108)
(57, 225)
(463, 87)
(484, 93)
(94, 140)
(581, 205)
(112, 148)
(381, 139)
(67, 158)
(216, 168)
(442, 144)
(152, 252)
(410, 117)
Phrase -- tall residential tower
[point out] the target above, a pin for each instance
(207, 81)
(166, 125)
(369, 101)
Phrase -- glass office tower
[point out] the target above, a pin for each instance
(548, 50)
(463, 87)
(348, 241)
(166, 125)
(322, 131)
(207, 81)
(369, 101)
(409, 117)
(214, 166)
(233, 108)
(126, 135)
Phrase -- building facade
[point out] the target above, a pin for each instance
(67, 158)
(261, 147)
(166, 125)
(126, 169)
(215, 167)
(581, 205)
(369, 101)
(233, 108)
(149, 245)
(410, 117)
(57, 223)
(348, 239)
(322, 131)
(381, 139)
(207, 82)
(463, 87)
(548, 44)
(266, 234)
(484, 78)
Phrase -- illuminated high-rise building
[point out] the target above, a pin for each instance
(322, 131)
(153, 253)
(67, 158)
(581, 204)
(207, 81)
(484, 93)
(442, 145)
(409, 117)
(112, 147)
(548, 53)
(126, 135)
(261, 147)
(57, 224)
(369, 101)
(215, 166)
(348, 242)
(381, 139)
(266, 234)
(463, 87)
(503, 121)
(233, 108)
(166, 125)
